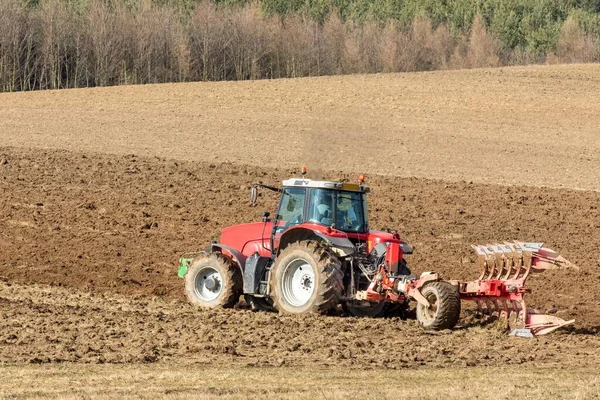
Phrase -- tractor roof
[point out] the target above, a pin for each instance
(310, 183)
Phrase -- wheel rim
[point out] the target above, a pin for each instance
(208, 284)
(298, 282)
(429, 313)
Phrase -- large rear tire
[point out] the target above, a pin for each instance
(213, 281)
(444, 309)
(306, 278)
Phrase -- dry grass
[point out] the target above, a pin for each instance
(174, 381)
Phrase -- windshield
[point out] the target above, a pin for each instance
(346, 210)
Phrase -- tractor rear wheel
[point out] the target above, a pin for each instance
(444, 309)
(306, 278)
(213, 281)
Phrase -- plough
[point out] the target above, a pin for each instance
(500, 289)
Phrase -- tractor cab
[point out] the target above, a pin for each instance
(340, 206)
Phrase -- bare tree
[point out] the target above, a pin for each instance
(17, 57)
(574, 45)
(482, 50)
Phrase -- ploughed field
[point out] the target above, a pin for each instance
(535, 125)
(93, 220)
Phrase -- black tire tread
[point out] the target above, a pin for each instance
(329, 268)
(448, 305)
(232, 288)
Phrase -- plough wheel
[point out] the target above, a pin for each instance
(444, 306)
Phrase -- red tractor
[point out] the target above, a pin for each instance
(318, 252)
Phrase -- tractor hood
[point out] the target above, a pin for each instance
(248, 238)
(255, 237)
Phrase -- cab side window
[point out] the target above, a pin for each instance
(349, 211)
(291, 208)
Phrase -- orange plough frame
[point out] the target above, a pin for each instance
(499, 290)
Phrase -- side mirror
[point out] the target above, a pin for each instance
(265, 216)
(253, 195)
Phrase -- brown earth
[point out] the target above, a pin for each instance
(535, 125)
(104, 224)
(103, 189)
(43, 324)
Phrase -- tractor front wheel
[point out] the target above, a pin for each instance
(306, 278)
(213, 281)
(444, 306)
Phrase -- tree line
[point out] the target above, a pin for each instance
(54, 44)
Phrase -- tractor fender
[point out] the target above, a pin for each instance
(239, 258)
(340, 245)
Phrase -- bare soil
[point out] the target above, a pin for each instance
(534, 125)
(42, 324)
(102, 225)
(103, 189)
